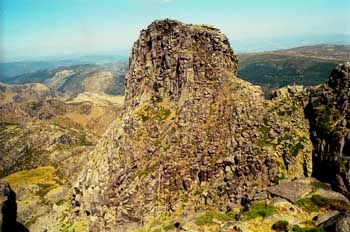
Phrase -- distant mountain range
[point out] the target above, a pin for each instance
(270, 44)
(11, 69)
(308, 65)
(72, 80)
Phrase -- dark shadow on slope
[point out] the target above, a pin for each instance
(9, 213)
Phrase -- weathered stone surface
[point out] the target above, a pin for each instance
(338, 223)
(193, 135)
(329, 114)
(291, 191)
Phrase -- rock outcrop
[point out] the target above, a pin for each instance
(192, 136)
(329, 114)
(8, 207)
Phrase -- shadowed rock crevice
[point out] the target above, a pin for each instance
(328, 112)
(9, 211)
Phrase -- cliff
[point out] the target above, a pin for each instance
(329, 114)
(193, 135)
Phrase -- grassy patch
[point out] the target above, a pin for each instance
(278, 178)
(316, 202)
(208, 217)
(316, 102)
(329, 117)
(157, 142)
(144, 118)
(169, 226)
(263, 141)
(204, 219)
(148, 170)
(157, 230)
(319, 184)
(42, 176)
(258, 210)
(297, 228)
(297, 148)
(162, 114)
(84, 141)
(280, 225)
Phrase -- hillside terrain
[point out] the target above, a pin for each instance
(306, 66)
(8, 70)
(191, 148)
(72, 80)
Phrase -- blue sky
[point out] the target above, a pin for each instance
(32, 28)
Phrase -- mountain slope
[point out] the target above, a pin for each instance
(72, 80)
(306, 66)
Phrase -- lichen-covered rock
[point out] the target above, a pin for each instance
(192, 135)
(337, 223)
(329, 114)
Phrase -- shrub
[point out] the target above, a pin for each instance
(319, 184)
(162, 114)
(204, 219)
(280, 225)
(316, 202)
(169, 226)
(207, 218)
(297, 228)
(144, 118)
(258, 210)
(298, 147)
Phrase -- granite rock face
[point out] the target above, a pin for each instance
(329, 114)
(192, 135)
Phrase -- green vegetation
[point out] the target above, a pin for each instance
(272, 70)
(44, 176)
(316, 202)
(169, 226)
(319, 184)
(157, 142)
(258, 210)
(280, 225)
(156, 86)
(159, 115)
(297, 228)
(148, 170)
(162, 114)
(159, 100)
(204, 219)
(329, 117)
(208, 217)
(157, 230)
(297, 148)
(84, 141)
(264, 130)
(278, 178)
(316, 102)
(144, 118)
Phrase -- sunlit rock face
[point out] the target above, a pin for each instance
(192, 136)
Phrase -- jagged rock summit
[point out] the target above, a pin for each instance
(192, 136)
(171, 58)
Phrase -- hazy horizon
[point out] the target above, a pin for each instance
(39, 28)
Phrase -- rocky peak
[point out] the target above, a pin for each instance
(193, 135)
(171, 59)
